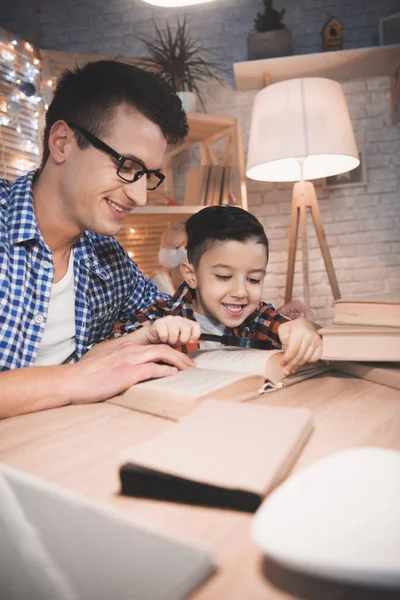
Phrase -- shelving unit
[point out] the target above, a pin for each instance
(208, 131)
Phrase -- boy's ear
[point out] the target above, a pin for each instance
(189, 274)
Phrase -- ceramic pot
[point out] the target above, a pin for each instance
(269, 44)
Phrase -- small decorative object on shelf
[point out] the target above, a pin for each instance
(332, 35)
(172, 253)
(181, 60)
(272, 39)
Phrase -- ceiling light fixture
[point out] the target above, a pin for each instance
(175, 3)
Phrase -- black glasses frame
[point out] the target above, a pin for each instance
(92, 139)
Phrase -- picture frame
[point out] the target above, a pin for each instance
(353, 178)
(389, 30)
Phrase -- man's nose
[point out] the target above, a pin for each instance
(137, 191)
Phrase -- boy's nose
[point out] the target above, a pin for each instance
(137, 191)
(239, 289)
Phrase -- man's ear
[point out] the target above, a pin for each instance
(60, 141)
(189, 274)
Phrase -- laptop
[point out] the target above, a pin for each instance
(55, 544)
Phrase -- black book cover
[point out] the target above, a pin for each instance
(148, 483)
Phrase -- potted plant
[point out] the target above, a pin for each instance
(272, 38)
(181, 60)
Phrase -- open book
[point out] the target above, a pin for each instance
(225, 374)
(223, 454)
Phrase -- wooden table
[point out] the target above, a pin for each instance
(79, 447)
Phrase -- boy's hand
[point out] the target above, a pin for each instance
(295, 309)
(301, 343)
(174, 331)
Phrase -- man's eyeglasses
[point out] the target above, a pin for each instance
(128, 170)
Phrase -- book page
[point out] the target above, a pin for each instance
(239, 360)
(191, 383)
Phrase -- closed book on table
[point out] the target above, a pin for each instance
(380, 372)
(223, 454)
(228, 373)
(360, 343)
(372, 309)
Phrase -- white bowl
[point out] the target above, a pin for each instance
(338, 518)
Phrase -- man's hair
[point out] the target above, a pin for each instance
(89, 97)
(215, 224)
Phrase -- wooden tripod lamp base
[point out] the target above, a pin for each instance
(304, 197)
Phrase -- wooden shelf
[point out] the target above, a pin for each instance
(203, 126)
(339, 65)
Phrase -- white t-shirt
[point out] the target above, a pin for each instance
(58, 341)
(209, 325)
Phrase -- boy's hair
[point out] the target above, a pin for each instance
(89, 97)
(216, 224)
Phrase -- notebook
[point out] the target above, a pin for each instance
(223, 454)
(56, 545)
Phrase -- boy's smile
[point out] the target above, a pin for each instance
(229, 281)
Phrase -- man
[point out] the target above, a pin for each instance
(64, 281)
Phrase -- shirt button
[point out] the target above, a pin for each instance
(39, 319)
(46, 264)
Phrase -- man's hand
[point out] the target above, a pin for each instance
(99, 377)
(295, 309)
(174, 331)
(301, 343)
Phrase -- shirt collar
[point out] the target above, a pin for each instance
(85, 250)
(182, 300)
(22, 224)
(181, 304)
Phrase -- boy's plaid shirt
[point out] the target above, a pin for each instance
(262, 324)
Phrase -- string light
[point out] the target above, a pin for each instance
(21, 104)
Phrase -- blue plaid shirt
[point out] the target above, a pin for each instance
(109, 287)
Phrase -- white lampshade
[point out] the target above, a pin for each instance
(301, 122)
(168, 3)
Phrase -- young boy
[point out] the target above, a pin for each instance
(227, 259)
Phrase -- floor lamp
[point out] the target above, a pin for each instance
(301, 130)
